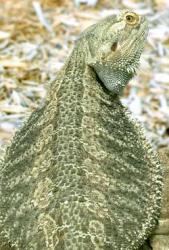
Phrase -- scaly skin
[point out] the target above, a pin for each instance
(160, 237)
(159, 240)
(80, 175)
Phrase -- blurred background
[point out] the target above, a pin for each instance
(37, 36)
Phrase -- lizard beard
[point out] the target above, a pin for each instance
(113, 81)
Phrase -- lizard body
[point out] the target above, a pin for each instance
(80, 174)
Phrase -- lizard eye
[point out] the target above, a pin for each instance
(131, 18)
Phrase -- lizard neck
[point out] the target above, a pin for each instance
(78, 69)
(77, 78)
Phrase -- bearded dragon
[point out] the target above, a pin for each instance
(80, 174)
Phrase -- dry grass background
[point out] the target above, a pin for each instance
(37, 36)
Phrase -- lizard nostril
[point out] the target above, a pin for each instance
(114, 46)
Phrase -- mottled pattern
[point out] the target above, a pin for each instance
(160, 237)
(79, 174)
(159, 240)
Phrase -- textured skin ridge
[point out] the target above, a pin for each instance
(79, 174)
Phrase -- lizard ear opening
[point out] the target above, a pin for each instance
(114, 46)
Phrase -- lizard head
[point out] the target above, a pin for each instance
(114, 48)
